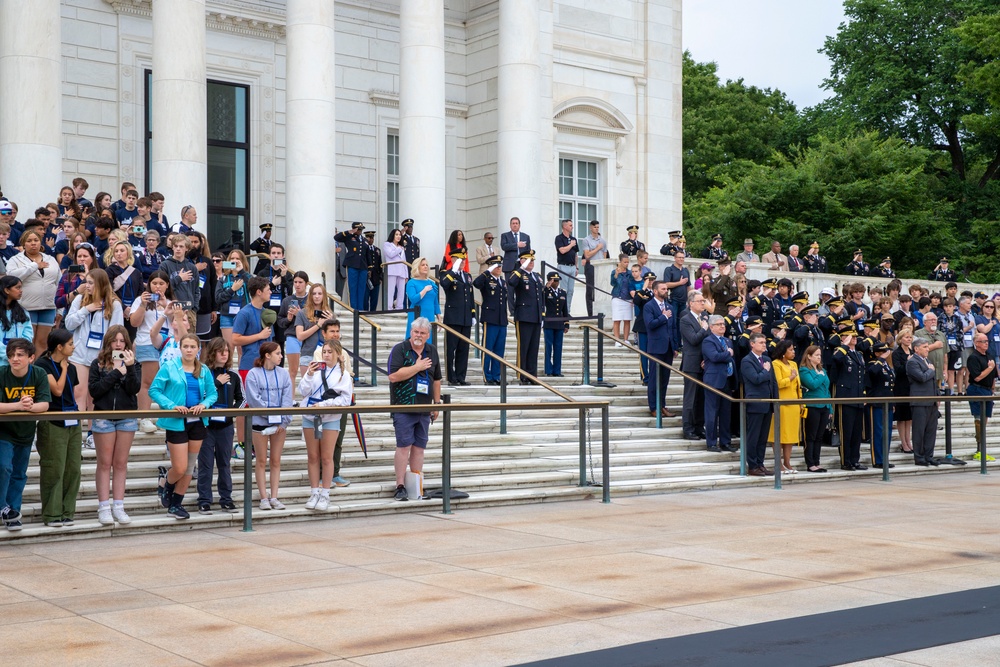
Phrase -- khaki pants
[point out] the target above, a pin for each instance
(59, 469)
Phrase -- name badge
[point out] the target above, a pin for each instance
(201, 281)
(234, 308)
(192, 420)
(94, 340)
(275, 301)
(996, 337)
(274, 419)
(423, 387)
(217, 419)
(71, 422)
(968, 337)
(164, 333)
(952, 340)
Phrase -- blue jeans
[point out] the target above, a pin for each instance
(357, 283)
(877, 431)
(553, 351)
(496, 342)
(976, 406)
(13, 473)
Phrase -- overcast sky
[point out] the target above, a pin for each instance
(767, 43)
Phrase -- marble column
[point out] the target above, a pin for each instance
(31, 115)
(180, 123)
(310, 131)
(421, 123)
(518, 121)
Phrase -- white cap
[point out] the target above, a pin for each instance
(5, 206)
(828, 291)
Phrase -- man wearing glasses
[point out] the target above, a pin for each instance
(485, 252)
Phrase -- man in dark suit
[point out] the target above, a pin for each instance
(847, 373)
(514, 244)
(925, 415)
(493, 288)
(459, 311)
(717, 351)
(694, 327)
(758, 382)
(529, 310)
(659, 320)
(411, 244)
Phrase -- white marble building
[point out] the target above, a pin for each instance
(306, 113)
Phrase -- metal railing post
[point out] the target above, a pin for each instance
(777, 445)
(374, 357)
(659, 396)
(981, 445)
(586, 356)
(583, 447)
(357, 340)
(606, 455)
(885, 441)
(743, 438)
(600, 350)
(248, 461)
(446, 456)
(947, 429)
(503, 399)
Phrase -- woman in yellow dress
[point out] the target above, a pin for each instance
(786, 372)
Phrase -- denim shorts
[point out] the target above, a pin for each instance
(112, 425)
(45, 318)
(226, 321)
(292, 344)
(330, 424)
(146, 353)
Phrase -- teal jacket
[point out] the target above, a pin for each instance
(814, 385)
(169, 389)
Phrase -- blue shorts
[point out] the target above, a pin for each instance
(145, 353)
(112, 425)
(330, 424)
(44, 318)
(976, 406)
(292, 344)
(411, 428)
(226, 321)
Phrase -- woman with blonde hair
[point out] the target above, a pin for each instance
(423, 294)
(309, 324)
(786, 372)
(90, 317)
(324, 383)
(126, 278)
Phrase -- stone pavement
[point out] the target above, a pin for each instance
(503, 585)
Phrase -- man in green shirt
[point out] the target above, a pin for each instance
(23, 388)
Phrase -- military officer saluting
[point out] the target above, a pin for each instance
(493, 313)
(556, 324)
(375, 270)
(715, 251)
(815, 262)
(793, 318)
(633, 244)
(808, 332)
(942, 273)
(762, 305)
(411, 244)
(356, 261)
(858, 266)
(884, 270)
(529, 309)
(459, 312)
(262, 245)
(734, 319)
(881, 383)
(671, 248)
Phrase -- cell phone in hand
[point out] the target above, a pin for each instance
(229, 266)
(277, 262)
(76, 268)
(154, 297)
(118, 355)
(321, 365)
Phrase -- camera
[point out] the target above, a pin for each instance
(154, 297)
(138, 230)
(277, 262)
(185, 305)
(76, 268)
(229, 266)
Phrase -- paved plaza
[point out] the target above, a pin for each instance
(506, 585)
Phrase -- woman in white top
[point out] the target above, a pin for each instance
(39, 274)
(324, 384)
(395, 274)
(268, 385)
(90, 316)
(147, 309)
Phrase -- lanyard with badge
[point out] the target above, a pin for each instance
(69, 388)
(275, 301)
(316, 396)
(224, 400)
(16, 330)
(423, 379)
(272, 419)
(234, 304)
(96, 338)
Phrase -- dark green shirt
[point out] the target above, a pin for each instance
(35, 384)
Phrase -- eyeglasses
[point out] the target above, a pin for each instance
(217, 261)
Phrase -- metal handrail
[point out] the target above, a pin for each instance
(576, 278)
(343, 305)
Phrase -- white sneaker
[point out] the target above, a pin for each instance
(147, 426)
(104, 516)
(118, 512)
(277, 504)
(89, 442)
(265, 504)
(323, 504)
(313, 499)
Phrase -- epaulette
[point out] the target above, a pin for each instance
(841, 350)
(449, 276)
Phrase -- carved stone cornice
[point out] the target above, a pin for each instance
(384, 98)
(240, 18)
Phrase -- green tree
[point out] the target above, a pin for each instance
(875, 193)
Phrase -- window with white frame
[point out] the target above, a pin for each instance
(579, 193)
(391, 182)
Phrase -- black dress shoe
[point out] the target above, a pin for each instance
(463, 383)
(817, 470)
(726, 448)
(690, 436)
(860, 467)
(701, 433)
(933, 462)
(892, 465)
(849, 468)
(921, 463)
(713, 448)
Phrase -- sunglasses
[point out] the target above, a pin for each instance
(217, 261)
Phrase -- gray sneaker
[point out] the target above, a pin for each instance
(401, 493)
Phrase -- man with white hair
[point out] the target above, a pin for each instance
(414, 379)
(937, 350)
(794, 263)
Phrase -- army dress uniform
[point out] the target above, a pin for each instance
(356, 261)
(849, 383)
(376, 272)
(858, 267)
(884, 270)
(631, 247)
(411, 244)
(713, 253)
(944, 274)
(639, 299)
(556, 309)
(262, 245)
(881, 384)
(459, 313)
(493, 314)
(671, 248)
(815, 263)
(529, 310)
(806, 334)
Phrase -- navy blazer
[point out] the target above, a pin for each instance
(757, 382)
(659, 329)
(717, 360)
(511, 253)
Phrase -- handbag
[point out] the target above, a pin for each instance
(329, 393)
